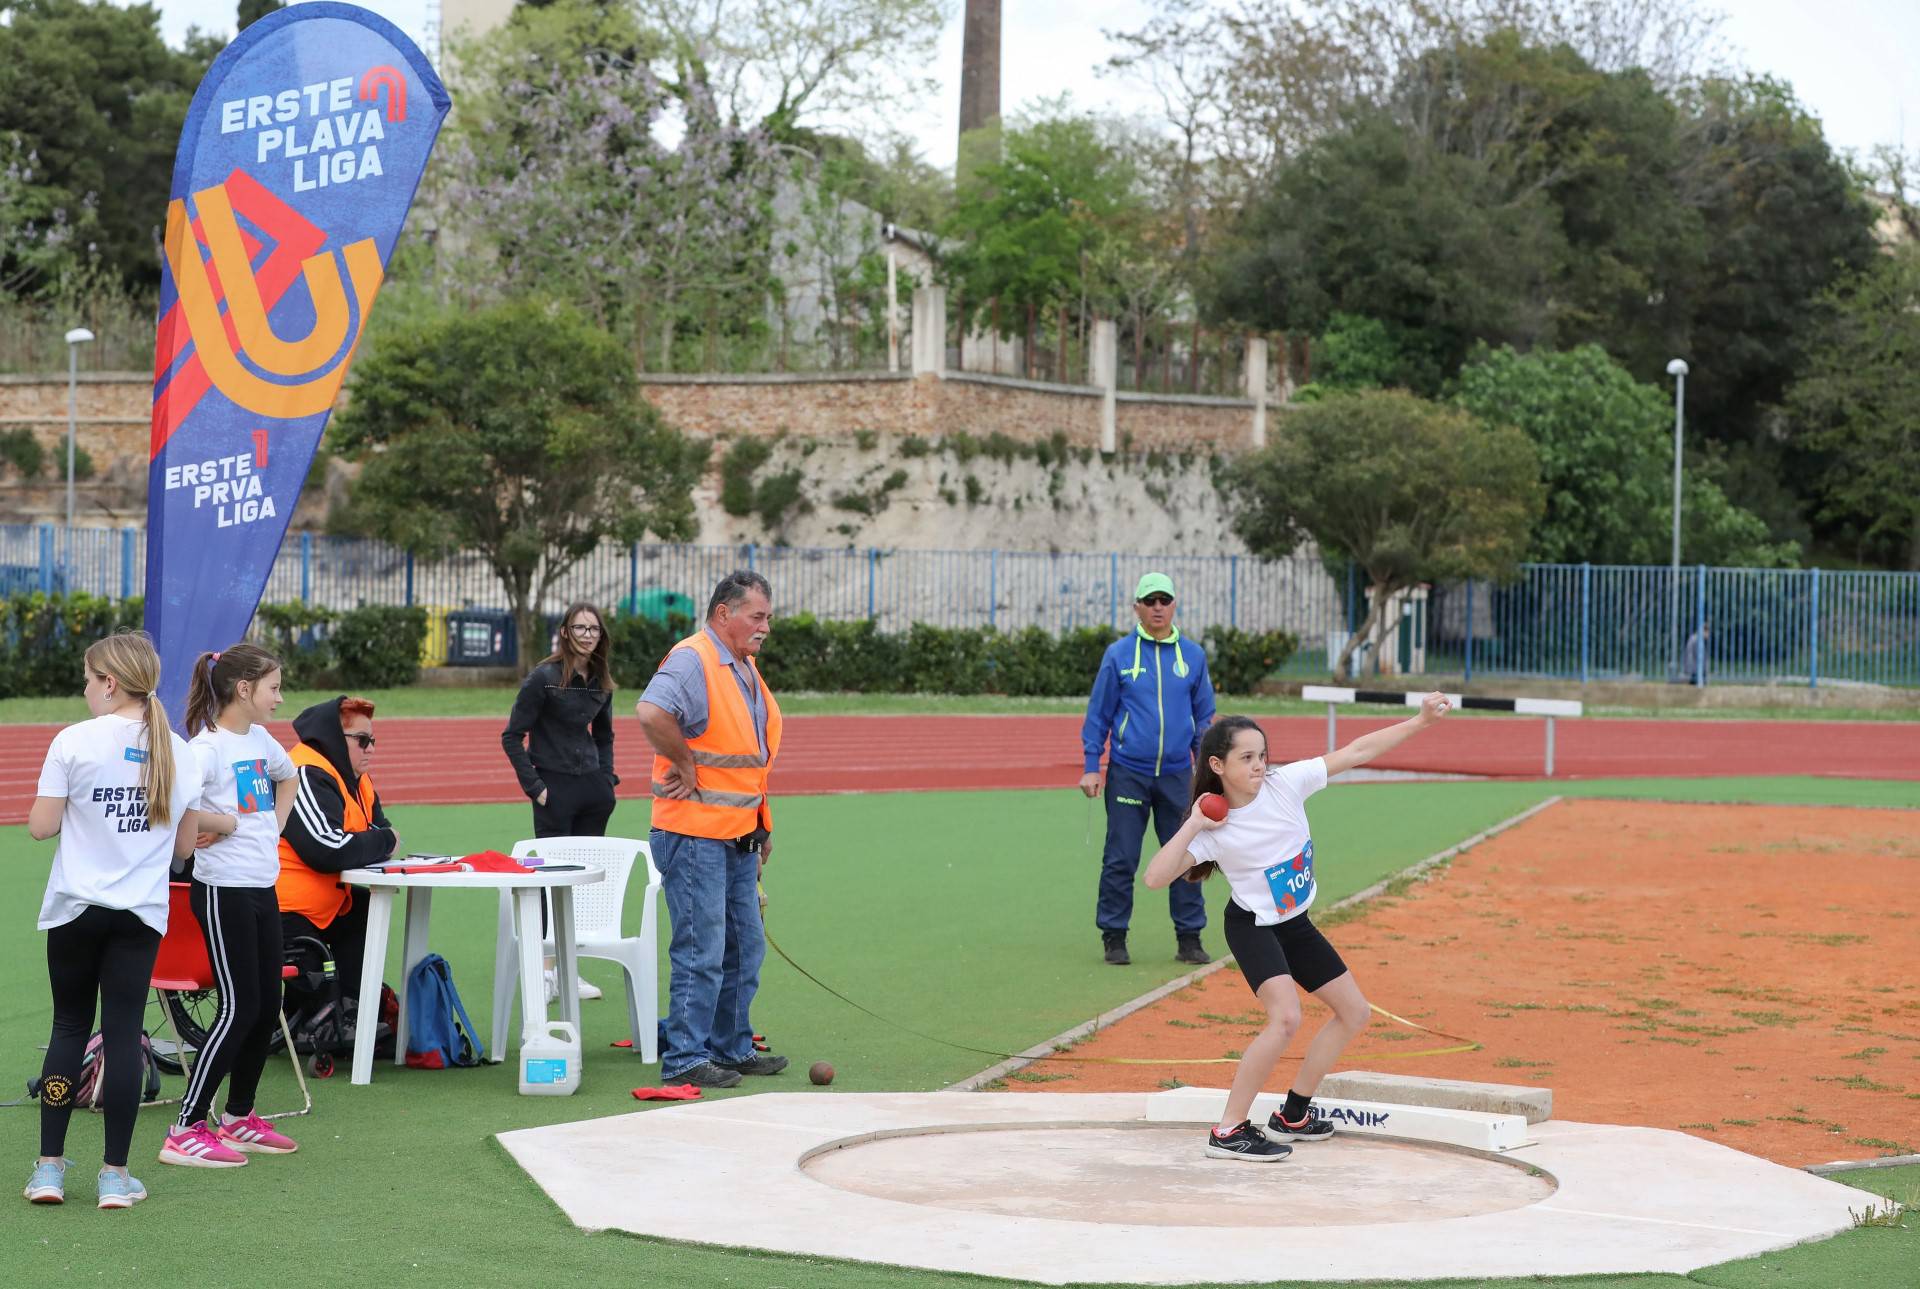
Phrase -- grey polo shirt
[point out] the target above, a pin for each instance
(680, 687)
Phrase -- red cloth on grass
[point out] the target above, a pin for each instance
(678, 1092)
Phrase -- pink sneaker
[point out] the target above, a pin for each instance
(198, 1148)
(255, 1135)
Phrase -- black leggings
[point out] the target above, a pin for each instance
(105, 954)
(578, 805)
(242, 926)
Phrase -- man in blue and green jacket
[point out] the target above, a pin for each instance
(1153, 698)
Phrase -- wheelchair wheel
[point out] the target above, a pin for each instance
(192, 1013)
(320, 1065)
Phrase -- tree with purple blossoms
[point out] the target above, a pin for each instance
(560, 180)
(797, 66)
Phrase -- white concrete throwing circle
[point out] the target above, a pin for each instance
(923, 1179)
(1160, 1176)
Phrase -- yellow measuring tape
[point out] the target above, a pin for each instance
(1459, 1044)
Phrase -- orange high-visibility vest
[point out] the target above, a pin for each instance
(730, 775)
(321, 897)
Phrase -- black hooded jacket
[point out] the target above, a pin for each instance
(316, 828)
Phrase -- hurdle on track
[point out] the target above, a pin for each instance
(1333, 696)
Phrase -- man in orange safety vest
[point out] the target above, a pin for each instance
(715, 731)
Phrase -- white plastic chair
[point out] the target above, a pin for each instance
(597, 910)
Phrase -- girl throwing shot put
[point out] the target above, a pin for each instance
(1265, 848)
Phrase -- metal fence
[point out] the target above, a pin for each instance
(1008, 590)
(1611, 622)
(1564, 621)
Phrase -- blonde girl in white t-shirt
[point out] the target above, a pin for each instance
(247, 788)
(117, 791)
(1265, 849)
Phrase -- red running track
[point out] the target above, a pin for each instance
(458, 760)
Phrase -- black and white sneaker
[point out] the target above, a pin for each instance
(1247, 1143)
(1313, 1128)
(706, 1075)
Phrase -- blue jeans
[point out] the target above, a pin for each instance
(713, 896)
(1131, 797)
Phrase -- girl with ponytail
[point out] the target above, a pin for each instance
(1265, 848)
(246, 788)
(117, 790)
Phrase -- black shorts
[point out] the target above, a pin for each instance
(1293, 948)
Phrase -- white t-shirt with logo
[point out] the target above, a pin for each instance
(1265, 847)
(107, 855)
(238, 774)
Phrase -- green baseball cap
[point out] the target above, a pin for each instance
(1153, 583)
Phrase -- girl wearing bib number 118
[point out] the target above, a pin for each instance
(247, 791)
(1266, 850)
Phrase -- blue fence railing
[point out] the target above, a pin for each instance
(1566, 621)
(1611, 622)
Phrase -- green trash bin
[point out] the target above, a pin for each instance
(657, 603)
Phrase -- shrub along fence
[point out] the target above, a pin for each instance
(805, 653)
(43, 639)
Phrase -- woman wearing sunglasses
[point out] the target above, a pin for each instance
(337, 823)
(559, 738)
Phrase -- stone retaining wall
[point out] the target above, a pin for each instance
(114, 412)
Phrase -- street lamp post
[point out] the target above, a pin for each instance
(1678, 370)
(75, 338)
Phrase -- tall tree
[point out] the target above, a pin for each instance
(517, 431)
(559, 180)
(778, 65)
(1788, 221)
(1260, 79)
(96, 99)
(252, 11)
(1032, 226)
(1369, 221)
(1856, 406)
(1606, 457)
(1411, 491)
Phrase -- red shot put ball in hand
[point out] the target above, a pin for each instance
(1213, 806)
(821, 1073)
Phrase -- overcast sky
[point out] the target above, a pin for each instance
(1853, 66)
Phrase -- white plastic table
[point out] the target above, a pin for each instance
(420, 886)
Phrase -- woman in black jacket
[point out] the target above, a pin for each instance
(559, 735)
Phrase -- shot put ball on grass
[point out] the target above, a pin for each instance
(1213, 806)
(821, 1073)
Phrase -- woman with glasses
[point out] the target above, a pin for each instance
(559, 737)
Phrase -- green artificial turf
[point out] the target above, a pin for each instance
(966, 916)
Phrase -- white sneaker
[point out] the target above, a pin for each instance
(588, 991)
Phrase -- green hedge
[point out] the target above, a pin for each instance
(376, 646)
(44, 638)
(806, 653)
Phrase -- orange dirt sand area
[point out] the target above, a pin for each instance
(1744, 973)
